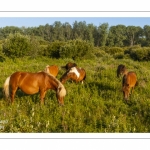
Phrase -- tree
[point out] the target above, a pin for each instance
(102, 33)
(146, 31)
(133, 33)
(116, 36)
(67, 31)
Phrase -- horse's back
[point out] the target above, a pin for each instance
(82, 73)
(130, 79)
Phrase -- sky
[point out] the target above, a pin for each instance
(37, 21)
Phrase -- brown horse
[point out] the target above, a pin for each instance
(129, 82)
(32, 83)
(53, 70)
(69, 65)
(121, 70)
(76, 74)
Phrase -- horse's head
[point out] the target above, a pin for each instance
(60, 94)
(69, 65)
(126, 91)
(121, 70)
(53, 70)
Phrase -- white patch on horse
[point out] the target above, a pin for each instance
(74, 70)
(47, 69)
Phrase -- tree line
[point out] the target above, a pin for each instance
(102, 35)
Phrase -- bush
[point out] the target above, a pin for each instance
(139, 53)
(53, 49)
(16, 45)
(114, 50)
(99, 52)
(119, 55)
(74, 49)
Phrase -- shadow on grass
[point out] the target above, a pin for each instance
(34, 97)
(100, 86)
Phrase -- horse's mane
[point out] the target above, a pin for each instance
(124, 79)
(54, 78)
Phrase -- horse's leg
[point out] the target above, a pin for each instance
(13, 92)
(42, 96)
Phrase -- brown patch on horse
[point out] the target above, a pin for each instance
(69, 65)
(129, 82)
(75, 74)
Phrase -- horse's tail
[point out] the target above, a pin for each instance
(6, 87)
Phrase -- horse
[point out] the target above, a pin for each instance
(76, 74)
(121, 70)
(53, 70)
(129, 82)
(69, 65)
(32, 83)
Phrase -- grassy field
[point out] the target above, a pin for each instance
(97, 106)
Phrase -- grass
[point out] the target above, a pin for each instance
(97, 106)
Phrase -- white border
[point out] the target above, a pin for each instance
(75, 14)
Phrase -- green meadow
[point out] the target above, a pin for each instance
(97, 106)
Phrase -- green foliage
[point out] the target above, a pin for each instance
(139, 53)
(96, 106)
(16, 45)
(53, 49)
(113, 50)
(76, 49)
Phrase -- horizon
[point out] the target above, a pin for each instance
(37, 21)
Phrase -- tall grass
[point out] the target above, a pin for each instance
(96, 106)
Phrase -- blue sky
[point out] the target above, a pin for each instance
(36, 21)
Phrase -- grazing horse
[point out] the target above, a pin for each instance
(53, 70)
(32, 83)
(121, 70)
(129, 82)
(75, 74)
(69, 65)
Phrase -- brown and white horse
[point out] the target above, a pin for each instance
(32, 83)
(76, 74)
(69, 65)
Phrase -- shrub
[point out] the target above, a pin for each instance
(16, 45)
(76, 49)
(53, 49)
(114, 50)
(139, 53)
(119, 55)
